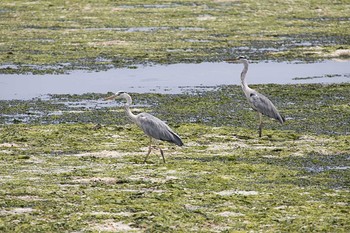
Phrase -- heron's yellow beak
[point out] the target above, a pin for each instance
(110, 98)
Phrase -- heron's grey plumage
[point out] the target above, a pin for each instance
(151, 125)
(155, 128)
(263, 105)
(258, 102)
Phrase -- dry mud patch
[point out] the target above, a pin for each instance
(113, 226)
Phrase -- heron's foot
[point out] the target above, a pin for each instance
(162, 153)
(149, 152)
(260, 124)
(260, 131)
(154, 148)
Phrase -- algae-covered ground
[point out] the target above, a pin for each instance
(73, 163)
(57, 36)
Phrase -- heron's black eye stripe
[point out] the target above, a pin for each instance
(252, 94)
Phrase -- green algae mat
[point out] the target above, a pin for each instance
(69, 163)
(76, 169)
(58, 36)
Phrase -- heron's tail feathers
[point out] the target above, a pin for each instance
(176, 139)
(284, 119)
(281, 119)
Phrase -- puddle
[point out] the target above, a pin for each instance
(155, 6)
(327, 168)
(126, 29)
(144, 29)
(196, 29)
(198, 41)
(171, 79)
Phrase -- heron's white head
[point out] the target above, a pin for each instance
(118, 95)
(240, 59)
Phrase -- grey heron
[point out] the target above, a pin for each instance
(151, 125)
(260, 103)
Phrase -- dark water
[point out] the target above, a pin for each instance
(170, 79)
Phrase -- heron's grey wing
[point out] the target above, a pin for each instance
(154, 127)
(263, 105)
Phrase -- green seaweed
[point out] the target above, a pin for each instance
(55, 37)
(69, 165)
(75, 178)
(84, 172)
(309, 108)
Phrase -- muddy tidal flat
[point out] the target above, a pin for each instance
(55, 37)
(75, 163)
(72, 162)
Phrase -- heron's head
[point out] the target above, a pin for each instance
(118, 95)
(235, 60)
(242, 58)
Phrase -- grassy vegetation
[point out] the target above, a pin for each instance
(55, 36)
(61, 173)
(74, 164)
(73, 178)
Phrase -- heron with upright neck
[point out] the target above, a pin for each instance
(152, 126)
(260, 103)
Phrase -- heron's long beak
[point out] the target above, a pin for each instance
(110, 98)
(231, 60)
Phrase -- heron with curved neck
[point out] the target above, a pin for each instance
(152, 126)
(260, 103)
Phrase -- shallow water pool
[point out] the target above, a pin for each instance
(171, 79)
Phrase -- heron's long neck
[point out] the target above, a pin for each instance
(127, 108)
(243, 74)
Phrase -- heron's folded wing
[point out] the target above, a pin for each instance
(156, 128)
(263, 105)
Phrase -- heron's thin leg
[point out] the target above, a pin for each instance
(260, 124)
(149, 149)
(162, 153)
